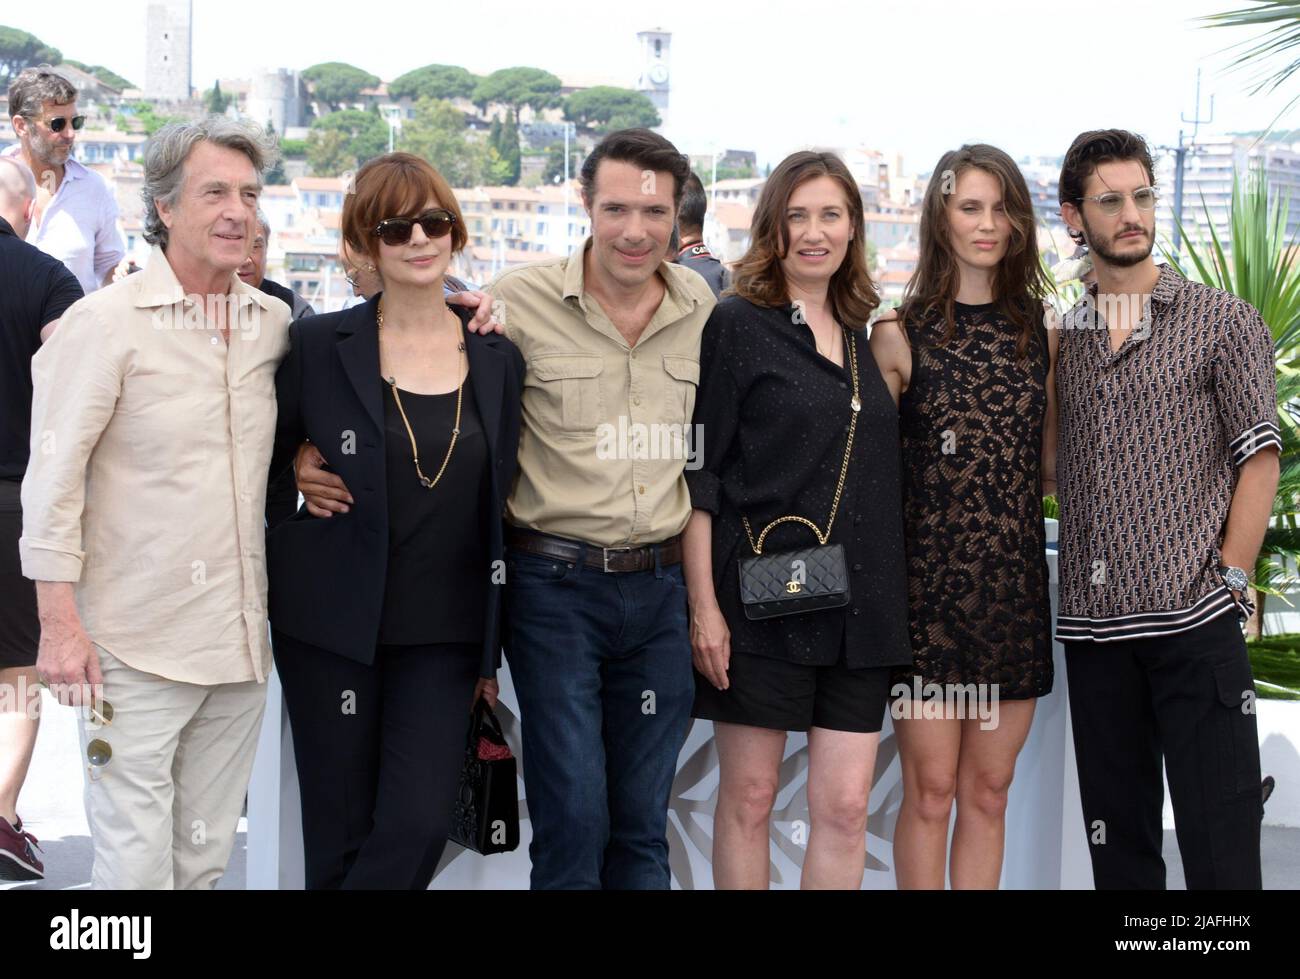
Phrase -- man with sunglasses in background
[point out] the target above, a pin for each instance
(75, 218)
(1167, 464)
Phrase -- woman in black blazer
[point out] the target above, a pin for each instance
(385, 618)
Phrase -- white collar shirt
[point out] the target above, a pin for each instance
(79, 225)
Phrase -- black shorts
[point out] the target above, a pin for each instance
(20, 629)
(785, 696)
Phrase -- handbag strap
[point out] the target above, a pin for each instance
(822, 538)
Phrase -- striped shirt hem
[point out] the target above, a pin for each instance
(1144, 625)
(1253, 439)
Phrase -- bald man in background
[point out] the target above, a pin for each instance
(35, 291)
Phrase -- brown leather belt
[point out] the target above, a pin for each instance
(614, 560)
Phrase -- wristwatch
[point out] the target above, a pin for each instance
(1235, 578)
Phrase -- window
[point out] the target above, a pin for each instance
(541, 227)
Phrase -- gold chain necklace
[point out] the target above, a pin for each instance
(425, 481)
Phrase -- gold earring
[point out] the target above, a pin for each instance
(370, 268)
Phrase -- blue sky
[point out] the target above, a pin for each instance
(916, 76)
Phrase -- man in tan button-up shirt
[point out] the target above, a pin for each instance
(603, 416)
(595, 626)
(152, 424)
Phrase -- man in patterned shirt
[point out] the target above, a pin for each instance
(1167, 466)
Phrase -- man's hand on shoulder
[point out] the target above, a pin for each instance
(485, 318)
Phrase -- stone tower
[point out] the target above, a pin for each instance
(653, 80)
(273, 97)
(168, 49)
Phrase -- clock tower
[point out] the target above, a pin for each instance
(654, 80)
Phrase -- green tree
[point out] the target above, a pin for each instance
(19, 50)
(108, 77)
(434, 82)
(506, 160)
(152, 121)
(214, 101)
(335, 82)
(554, 171)
(605, 108)
(328, 154)
(439, 134)
(365, 134)
(509, 150)
(517, 87)
(736, 173)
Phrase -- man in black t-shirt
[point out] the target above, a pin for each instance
(35, 291)
(281, 493)
(253, 271)
(691, 251)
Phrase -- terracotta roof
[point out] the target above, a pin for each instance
(319, 183)
(734, 216)
(738, 183)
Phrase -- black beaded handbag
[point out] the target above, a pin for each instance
(486, 815)
(810, 579)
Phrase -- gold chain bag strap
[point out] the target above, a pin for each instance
(810, 579)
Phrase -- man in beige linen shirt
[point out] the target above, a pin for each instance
(152, 426)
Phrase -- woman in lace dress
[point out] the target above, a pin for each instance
(969, 358)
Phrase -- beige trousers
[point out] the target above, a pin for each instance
(163, 811)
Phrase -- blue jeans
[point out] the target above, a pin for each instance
(601, 664)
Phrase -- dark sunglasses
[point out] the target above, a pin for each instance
(397, 231)
(56, 125)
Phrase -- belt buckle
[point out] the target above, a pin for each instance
(605, 552)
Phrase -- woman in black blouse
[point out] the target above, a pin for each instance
(780, 360)
(385, 616)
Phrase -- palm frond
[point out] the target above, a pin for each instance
(1279, 42)
(1257, 262)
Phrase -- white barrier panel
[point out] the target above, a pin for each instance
(1046, 847)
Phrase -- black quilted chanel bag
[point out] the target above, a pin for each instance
(486, 815)
(806, 580)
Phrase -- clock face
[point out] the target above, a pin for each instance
(659, 73)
